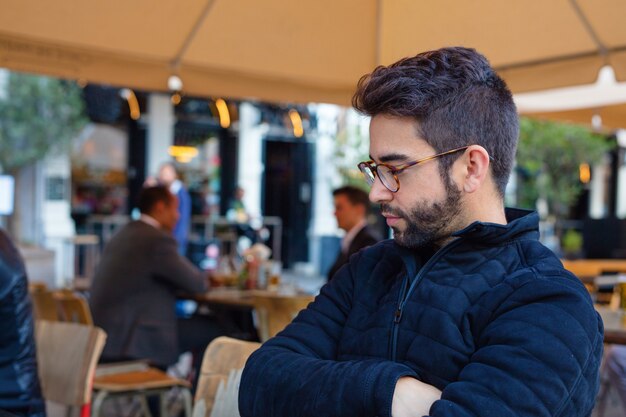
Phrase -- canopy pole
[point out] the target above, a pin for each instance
(590, 30)
(379, 25)
(175, 63)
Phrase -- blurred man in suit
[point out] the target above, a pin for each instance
(351, 207)
(134, 289)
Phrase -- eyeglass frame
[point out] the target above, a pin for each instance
(395, 170)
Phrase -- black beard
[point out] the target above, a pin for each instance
(428, 224)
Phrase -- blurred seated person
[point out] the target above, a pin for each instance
(237, 212)
(351, 208)
(134, 289)
(20, 392)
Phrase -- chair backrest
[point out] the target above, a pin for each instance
(276, 311)
(73, 307)
(223, 355)
(44, 306)
(67, 355)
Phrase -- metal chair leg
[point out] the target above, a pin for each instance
(144, 405)
(186, 400)
(96, 404)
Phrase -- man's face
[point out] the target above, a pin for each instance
(167, 175)
(347, 214)
(427, 208)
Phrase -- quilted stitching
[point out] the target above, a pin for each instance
(496, 323)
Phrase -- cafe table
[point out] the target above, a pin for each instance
(236, 297)
(588, 269)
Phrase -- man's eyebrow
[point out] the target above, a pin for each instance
(396, 157)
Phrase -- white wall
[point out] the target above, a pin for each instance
(160, 121)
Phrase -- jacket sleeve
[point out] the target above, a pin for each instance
(297, 372)
(537, 355)
(169, 266)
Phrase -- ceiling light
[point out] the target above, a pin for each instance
(296, 121)
(174, 83)
(133, 104)
(222, 110)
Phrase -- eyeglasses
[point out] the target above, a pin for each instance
(388, 174)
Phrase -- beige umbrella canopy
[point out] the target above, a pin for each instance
(304, 51)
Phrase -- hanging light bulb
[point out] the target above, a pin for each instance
(606, 76)
(174, 83)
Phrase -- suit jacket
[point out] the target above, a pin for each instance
(366, 237)
(133, 293)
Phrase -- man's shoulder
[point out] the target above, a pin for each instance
(380, 256)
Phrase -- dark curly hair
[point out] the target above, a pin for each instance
(457, 100)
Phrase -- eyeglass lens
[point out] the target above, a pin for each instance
(387, 178)
(366, 169)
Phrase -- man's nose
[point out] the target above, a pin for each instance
(379, 193)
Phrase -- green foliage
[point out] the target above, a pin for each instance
(37, 114)
(572, 241)
(351, 147)
(548, 158)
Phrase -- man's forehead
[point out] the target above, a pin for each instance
(395, 139)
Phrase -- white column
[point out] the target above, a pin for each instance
(161, 121)
(58, 227)
(620, 210)
(250, 163)
(597, 192)
(326, 179)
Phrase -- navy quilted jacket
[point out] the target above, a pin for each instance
(20, 393)
(492, 319)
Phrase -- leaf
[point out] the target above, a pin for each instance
(37, 115)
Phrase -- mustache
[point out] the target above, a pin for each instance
(387, 209)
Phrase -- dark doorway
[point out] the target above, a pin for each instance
(287, 193)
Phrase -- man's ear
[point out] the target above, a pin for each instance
(475, 168)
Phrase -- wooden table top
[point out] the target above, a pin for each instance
(591, 268)
(241, 298)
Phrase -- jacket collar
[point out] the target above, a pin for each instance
(519, 222)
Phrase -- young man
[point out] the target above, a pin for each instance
(351, 207)
(464, 312)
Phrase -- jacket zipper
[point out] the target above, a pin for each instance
(404, 295)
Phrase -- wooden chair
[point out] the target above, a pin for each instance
(44, 306)
(121, 379)
(73, 307)
(222, 356)
(67, 354)
(276, 311)
(137, 379)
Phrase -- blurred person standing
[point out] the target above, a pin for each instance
(20, 391)
(169, 177)
(134, 289)
(351, 207)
